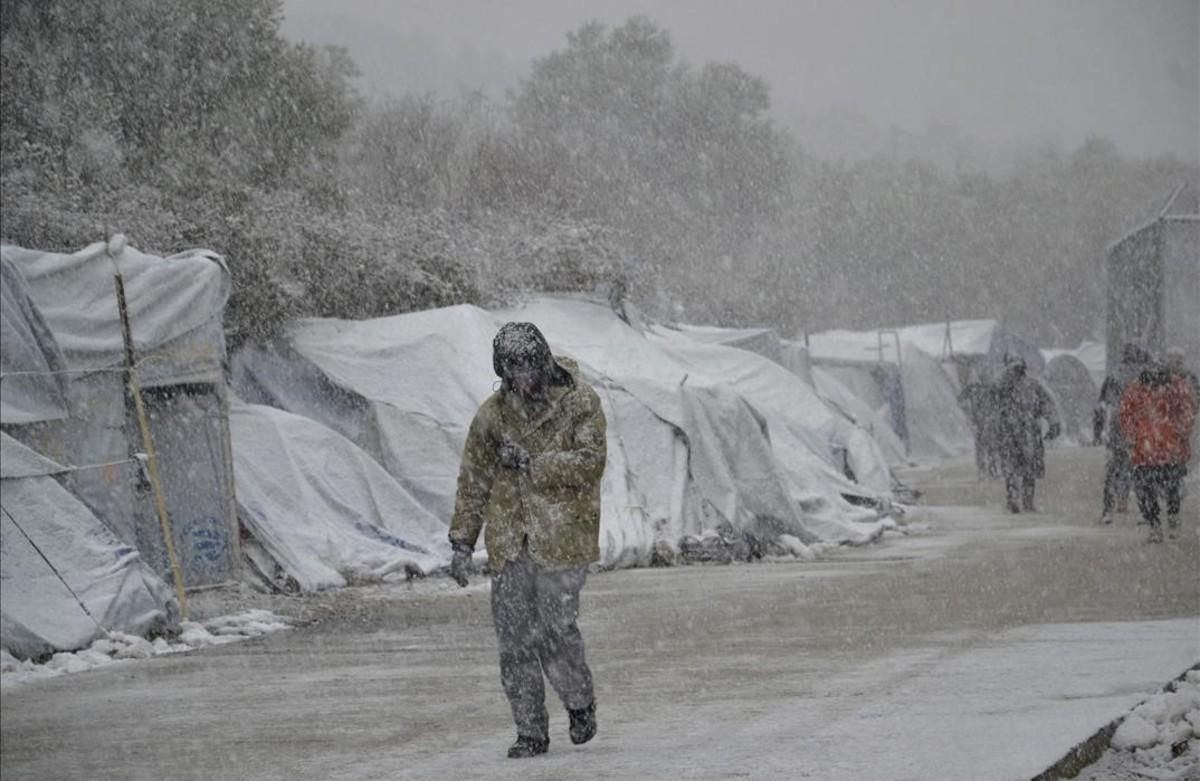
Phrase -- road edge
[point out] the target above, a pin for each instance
(1090, 750)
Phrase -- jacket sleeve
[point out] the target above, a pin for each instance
(475, 477)
(1130, 410)
(583, 462)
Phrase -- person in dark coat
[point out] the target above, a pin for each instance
(1021, 406)
(530, 481)
(978, 401)
(1158, 411)
(1118, 472)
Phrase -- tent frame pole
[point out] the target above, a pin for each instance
(135, 390)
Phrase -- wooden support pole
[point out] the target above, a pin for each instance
(135, 390)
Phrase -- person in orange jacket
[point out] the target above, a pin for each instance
(1158, 410)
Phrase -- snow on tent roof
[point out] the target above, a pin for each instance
(972, 338)
(324, 510)
(780, 391)
(658, 367)
(763, 341)
(48, 533)
(176, 305)
(405, 388)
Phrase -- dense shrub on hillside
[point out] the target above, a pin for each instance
(614, 163)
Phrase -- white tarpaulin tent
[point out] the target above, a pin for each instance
(54, 555)
(1074, 393)
(323, 510)
(405, 388)
(985, 341)
(1090, 354)
(662, 368)
(790, 405)
(850, 404)
(763, 341)
(32, 366)
(855, 414)
(913, 390)
(175, 307)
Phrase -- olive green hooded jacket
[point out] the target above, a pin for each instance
(555, 502)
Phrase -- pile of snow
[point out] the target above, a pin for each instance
(119, 646)
(1164, 731)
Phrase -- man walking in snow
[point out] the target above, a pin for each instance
(1118, 473)
(531, 471)
(977, 400)
(1021, 404)
(1158, 410)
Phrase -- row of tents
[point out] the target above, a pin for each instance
(329, 455)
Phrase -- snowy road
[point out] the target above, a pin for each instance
(982, 648)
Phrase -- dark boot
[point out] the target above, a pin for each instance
(526, 747)
(583, 724)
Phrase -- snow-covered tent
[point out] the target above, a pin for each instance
(65, 578)
(322, 512)
(794, 357)
(857, 410)
(851, 442)
(690, 449)
(762, 341)
(804, 433)
(903, 383)
(74, 409)
(972, 345)
(1075, 393)
(1090, 354)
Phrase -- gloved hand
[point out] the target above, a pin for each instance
(1054, 430)
(460, 563)
(512, 455)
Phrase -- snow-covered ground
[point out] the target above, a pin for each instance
(978, 645)
(1159, 739)
(119, 647)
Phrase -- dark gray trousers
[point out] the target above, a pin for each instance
(534, 610)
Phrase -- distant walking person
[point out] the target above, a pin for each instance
(1158, 410)
(1118, 472)
(978, 401)
(531, 472)
(1021, 405)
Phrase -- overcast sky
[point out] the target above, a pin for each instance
(1003, 70)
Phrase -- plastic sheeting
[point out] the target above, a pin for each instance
(46, 529)
(865, 452)
(31, 362)
(1090, 354)
(982, 340)
(934, 425)
(1075, 394)
(405, 388)
(175, 308)
(938, 428)
(842, 398)
(324, 510)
